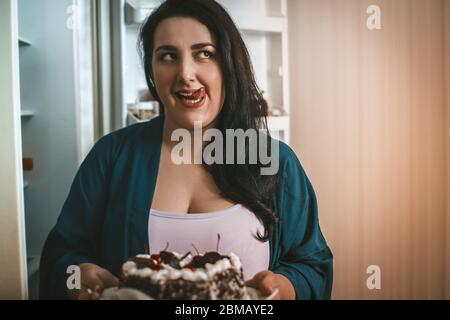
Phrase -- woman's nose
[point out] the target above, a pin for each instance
(186, 70)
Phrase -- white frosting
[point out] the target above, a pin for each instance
(129, 268)
(177, 255)
(235, 261)
(186, 260)
(217, 267)
(186, 274)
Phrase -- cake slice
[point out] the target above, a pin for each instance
(170, 275)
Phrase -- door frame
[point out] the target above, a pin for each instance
(13, 262)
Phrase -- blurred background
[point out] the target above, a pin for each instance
(359, 89)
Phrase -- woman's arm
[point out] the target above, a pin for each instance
(75, 238)
(306, 259)
(305, 263)
(311, 279)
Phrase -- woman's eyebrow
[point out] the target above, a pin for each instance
(194, 46)
(202, 45)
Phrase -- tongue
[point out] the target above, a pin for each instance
(197, 94)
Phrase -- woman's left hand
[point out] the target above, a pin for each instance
(267, 281)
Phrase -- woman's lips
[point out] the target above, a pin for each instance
(192, 98)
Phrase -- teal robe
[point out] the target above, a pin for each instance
(104, 219)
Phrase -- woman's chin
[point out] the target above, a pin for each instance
(193, 121)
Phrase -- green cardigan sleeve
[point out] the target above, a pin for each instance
(305, 258)
(74, 239)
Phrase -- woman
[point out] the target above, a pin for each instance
(129, 196)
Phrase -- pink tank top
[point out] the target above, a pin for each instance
(236, 225)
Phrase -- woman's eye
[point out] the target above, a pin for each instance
(205, 54)
(167, 57)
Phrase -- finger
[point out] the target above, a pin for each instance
(274, 295)
(267, 285)
(85, 294)
(90, 285)
(97, 289)
(108, 279)
(95, 296)
(254, 282)
(90, 279)
(89, 296)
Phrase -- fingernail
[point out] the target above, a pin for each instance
(89, 291)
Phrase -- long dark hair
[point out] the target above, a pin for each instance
(242, 109)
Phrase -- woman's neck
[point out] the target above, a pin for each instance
(169, 144)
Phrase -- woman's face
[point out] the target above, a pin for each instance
(187, 73)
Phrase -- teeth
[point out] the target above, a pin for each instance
(191, 101)
(188, 97)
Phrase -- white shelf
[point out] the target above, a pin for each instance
(269, 8)
(261, 24)
(24, 43)
(153, 105)
(132, 119)
(26, 113)
(137, 11)
(280, 123)
(279, 127)
(136, 15)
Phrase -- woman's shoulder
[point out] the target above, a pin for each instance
(128, 139)
(292, 173)
(287, 156)
(136, 131)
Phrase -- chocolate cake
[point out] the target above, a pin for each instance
(169, 275)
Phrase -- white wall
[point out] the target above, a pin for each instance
(368, 110)
(13, 275)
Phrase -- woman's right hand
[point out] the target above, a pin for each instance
(94, 280)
